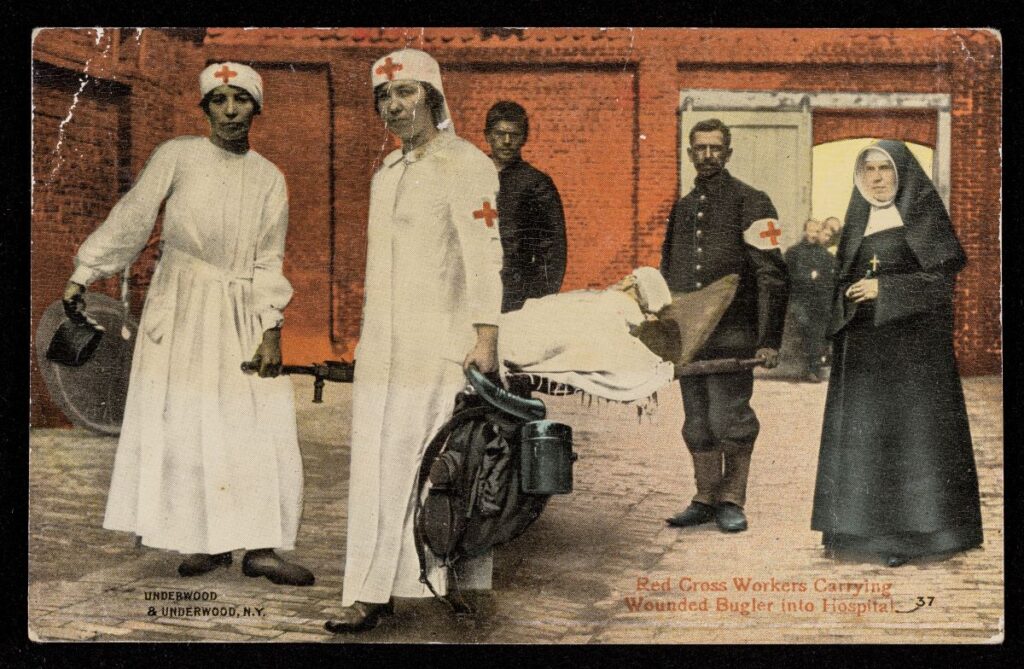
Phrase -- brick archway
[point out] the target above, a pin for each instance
(919, 126)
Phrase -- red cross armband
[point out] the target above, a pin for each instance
(764, 234)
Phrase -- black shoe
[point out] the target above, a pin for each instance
(730, 518)
(201, 563)
(281, 572)
(896, 560)
(359, 617)
(695, 514)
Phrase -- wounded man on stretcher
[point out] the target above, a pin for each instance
(621, 344)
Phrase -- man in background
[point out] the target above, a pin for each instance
(812, 274)
(830, 236)
(532, 220)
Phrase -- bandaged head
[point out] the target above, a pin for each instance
(651, 288)
(232, 74)
(414, 65)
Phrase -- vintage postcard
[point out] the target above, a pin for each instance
(516, 335)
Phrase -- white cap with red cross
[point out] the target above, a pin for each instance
(410, 64)
(232, 74)
(407, 64)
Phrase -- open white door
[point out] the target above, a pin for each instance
(771, 152)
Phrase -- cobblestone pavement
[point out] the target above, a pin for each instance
(571, 578)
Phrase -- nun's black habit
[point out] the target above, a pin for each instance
(896, 473)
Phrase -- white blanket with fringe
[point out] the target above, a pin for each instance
(583, 339)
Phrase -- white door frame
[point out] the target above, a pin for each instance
(707, 99)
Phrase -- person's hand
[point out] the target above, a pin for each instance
(74, 303)
(863, 290)
(769, 355)
(268, 355)
(484, 353)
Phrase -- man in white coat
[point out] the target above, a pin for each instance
(208, 458)
(433, 297)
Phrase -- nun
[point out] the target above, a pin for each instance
(896, 476)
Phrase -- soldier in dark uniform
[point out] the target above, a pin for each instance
(830, 235)
(532, 221)
(812, 273)
(723, 226)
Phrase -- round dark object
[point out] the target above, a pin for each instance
(91, 395)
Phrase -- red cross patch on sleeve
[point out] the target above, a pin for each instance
(764, 234)
(487, 214)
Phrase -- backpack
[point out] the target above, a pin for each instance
(475, 499)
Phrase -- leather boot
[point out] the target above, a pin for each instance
(707, 473)
(734, 482)
(733, 493)
(695, 514)
(265, 562)
(730, 518)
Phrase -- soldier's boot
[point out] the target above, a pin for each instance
(732, 494)
(707, 473)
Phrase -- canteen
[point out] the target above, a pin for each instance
(546, 458)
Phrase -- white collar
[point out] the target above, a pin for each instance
(883, 218)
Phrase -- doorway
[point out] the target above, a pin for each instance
(771, 152)
(778, 140)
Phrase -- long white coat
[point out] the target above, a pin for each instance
(208, 459)
(432, 272)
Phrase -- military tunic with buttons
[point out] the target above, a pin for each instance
(705, 242)
(532, 234)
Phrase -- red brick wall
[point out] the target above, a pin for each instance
(299, 109)
(603, 124)
(975, 202)
(88, 144)
(583, 138)
(65, 198)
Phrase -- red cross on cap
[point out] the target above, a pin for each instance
(389, 68)
(487, 214)
(225, 73)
